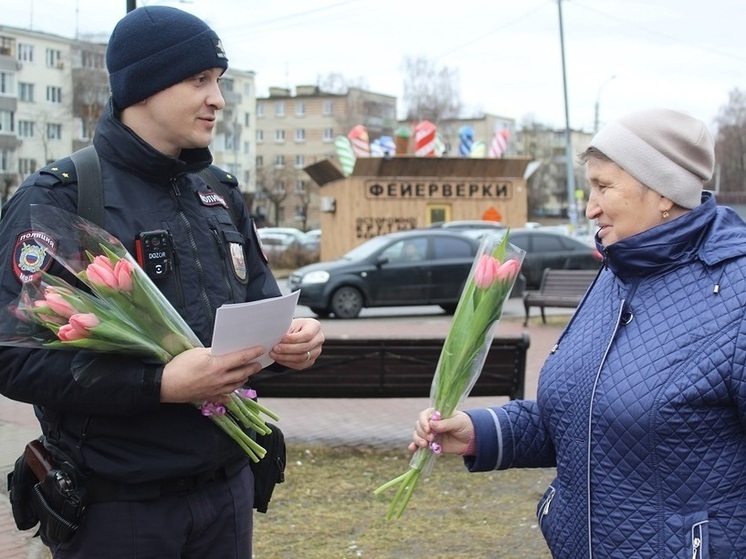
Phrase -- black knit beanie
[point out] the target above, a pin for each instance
(155, 47)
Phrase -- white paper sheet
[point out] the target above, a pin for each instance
(258, 323)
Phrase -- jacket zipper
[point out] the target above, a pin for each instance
(223, 257)
(177, 274)
(697, 541)
(545, 508)
(197, 262)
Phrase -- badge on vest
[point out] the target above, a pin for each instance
(238, 260)
(32, 254)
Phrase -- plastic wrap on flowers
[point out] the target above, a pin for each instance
(124, 313)
(491, 279)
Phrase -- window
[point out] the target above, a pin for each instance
(26, 92)
(300, 108)
(54, 94)
(300, 186)
(25, 52)
(259, 136)
(247, 119)
(247, 89)
(226, 84)
(6, 122)
(6, 45)
(54, 131)
(259, 110)
(26, 166)
(451, 248)
(26, 128)
(328, 134)
(4, 159)
(7, 83)
(328, 106)
(300, 134)
(300, 213)
(92, 59)
(279, 161)
(280, 108)
(246, 147)
(300, 161)
(54, 58)
(279, 136)
(259, 161)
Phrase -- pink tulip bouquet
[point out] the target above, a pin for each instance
(124, 313)
(490, 282)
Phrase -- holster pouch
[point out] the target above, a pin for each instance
(270, 470)
(59, 504)
(42, 492)
(21, 483)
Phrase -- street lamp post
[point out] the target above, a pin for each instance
(572, 213)
(598, 102)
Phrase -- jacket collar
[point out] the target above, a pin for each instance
(664, 247)
(119, 145)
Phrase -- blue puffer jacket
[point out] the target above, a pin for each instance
(116, 427)
(642, 403)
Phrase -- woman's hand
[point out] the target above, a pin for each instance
(452, 434)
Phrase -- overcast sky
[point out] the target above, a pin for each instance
(622, 54)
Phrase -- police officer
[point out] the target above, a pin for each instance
(174, 485)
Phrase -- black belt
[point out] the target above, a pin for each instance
(100, 490)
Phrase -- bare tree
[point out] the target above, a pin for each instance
(430, 93)
(272, 184)
(730, 144)
(338, 83)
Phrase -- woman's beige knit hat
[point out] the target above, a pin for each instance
(666, 150)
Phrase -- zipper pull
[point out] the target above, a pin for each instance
(696, 543)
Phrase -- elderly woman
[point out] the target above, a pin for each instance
(641, 405)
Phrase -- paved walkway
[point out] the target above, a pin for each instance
(379, 423)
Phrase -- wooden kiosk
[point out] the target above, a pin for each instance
(399, 193)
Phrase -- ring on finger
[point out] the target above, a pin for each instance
(308, 356)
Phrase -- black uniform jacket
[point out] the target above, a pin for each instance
(116, 427)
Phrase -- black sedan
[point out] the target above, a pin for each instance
(407, 268)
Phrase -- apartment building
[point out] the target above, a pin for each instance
(294, 131)
(53, 90)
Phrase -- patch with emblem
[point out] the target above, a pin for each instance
(32, 254)
(238, 260)
(210, 198)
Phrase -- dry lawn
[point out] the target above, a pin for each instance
(326, 510)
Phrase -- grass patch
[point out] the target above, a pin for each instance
(326, 510)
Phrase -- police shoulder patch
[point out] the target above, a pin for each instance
(32, 254)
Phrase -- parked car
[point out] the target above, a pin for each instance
(548, 249)
(313, 239)
(298, 236)
(407, 268)
(467, 224)
(275, 244)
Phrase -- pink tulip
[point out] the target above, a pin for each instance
(56, 303)
(508, 270)
(102, 273)
(486, 271)
(123, 272)
(78, 328)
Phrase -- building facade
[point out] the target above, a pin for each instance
(53, 90)
(295, 131)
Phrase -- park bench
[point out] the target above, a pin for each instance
(558, 288)
(392, 368)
